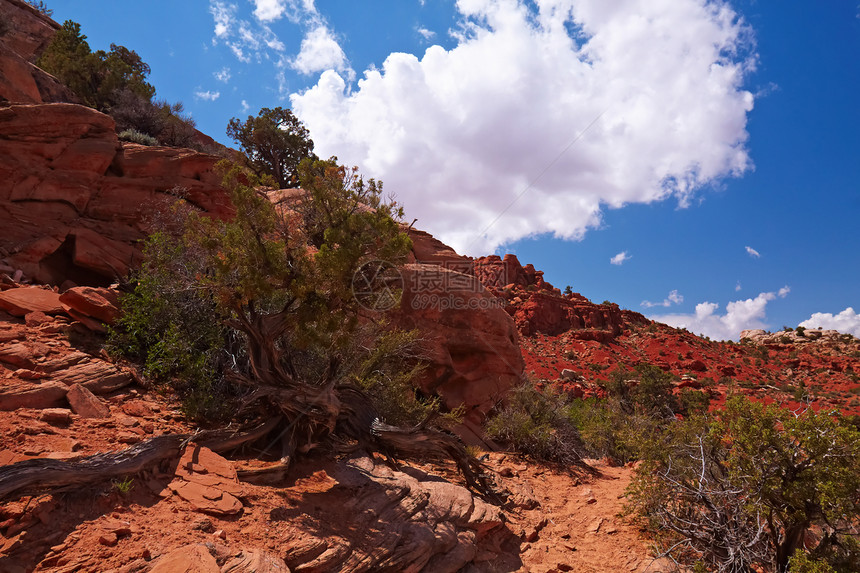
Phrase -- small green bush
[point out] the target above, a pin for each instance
(536, 423)
(134, 136)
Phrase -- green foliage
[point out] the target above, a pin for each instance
(291, 266)
(800, 330)
(535, 422)
(95, 77)
(114, 82)
(275, 142)
(745, 488)
(123, 486)
(801, 562)
(568, 290)
(135, 136)
(607, 429)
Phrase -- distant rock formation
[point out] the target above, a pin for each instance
(539, 308)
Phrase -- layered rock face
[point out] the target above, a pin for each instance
(471, 343)
(76, 202)
(27, 33)
(539, 308)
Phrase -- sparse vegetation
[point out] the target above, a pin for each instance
(41, 7)
(114, 82)
(135, 136)
(536, 423)
(743, 489)
(254, 320)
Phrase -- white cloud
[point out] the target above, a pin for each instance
(207, 95)
(269, 10)
(673, 298)
(753, 253)
(245, 107)
(461, 134)
(620, 258)
(319, 52)
(245, 39)
(847, 321)
(223, 75)
(740, 315)
(425, 33)
(738, 287)
(224, 15)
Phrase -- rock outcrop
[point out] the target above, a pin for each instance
(539, 308)
(471, 343)
(758, 336)
(76, 202)
(26, 35)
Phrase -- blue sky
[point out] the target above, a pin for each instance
(695, 161)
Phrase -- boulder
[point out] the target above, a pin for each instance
(98, 303)
(97, 376)
(23, 300)
(471, 343)
(377, 519)
(85, 403)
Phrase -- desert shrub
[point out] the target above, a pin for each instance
(535, 422)
(608, 430)
(135, 136)
(278, 280)
(742, 490)
(95, 77)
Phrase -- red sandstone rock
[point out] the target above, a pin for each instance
(97, 376)
(471, 342)
(75, 200)
(255, 561)
(85, 403)
(188, 559)
(31, 395)
(208, 482)
(99, 303)
(24, 300)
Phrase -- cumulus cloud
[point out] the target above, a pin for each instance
(740, 315)
(620, 258)
(245, 106)
(847, 321)
(574, 105)
(673, 298)
(753, 253)
(207, 95)
(320, 51)
(738, 287)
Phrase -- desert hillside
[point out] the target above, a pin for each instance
(203, 371)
